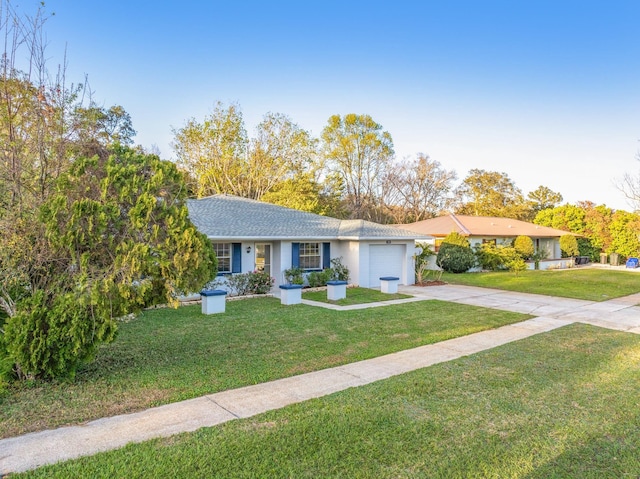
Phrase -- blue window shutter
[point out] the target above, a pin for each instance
(236, 258)
(326, 255)
(295, 255)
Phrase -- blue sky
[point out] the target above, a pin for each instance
(545, 91)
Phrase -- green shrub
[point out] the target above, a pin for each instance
(513, 261)
(586, 248)
(294, 275)
(254, 282)
(319, 278)
(237, 284)
(497, 258)
(454, 258)
(51, 338)
(6, 365)
(524, 246)
(259, 282)
(456, 238)
(489, 257)
(569, 246)
(339, 271)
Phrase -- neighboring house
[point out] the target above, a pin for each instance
(500, 231)
(249, 235)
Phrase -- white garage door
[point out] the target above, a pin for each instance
(385, 260)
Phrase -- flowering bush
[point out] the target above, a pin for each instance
(259, 282)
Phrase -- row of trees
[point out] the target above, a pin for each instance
(602, 229)
(350, 171)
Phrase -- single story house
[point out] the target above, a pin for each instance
(250, 235)
(489, 229)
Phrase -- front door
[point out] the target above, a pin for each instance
(263, 257)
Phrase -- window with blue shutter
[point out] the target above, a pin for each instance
(236, 258)
(295, 255)
(326, 255)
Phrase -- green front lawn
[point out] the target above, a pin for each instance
(590, 284)
(169, 355)
(558, 405)
(354, 296)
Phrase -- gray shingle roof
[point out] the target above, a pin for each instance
(226, 216)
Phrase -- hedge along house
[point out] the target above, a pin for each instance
(249, 235)
(500, 231)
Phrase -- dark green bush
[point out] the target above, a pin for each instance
(454, 258)
(319, 278)
(585, 248)
(51, 339)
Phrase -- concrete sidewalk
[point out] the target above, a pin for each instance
(47, 447)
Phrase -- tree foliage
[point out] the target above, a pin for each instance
(489, 193)
(219, 157)
(456, 238)
(569, 246)
(115, 237)
(625, 231)
(543, 198)
(455, 255)
(213, 152)
(603, 229)
(524, 246)
(359, 151)
(454, 258)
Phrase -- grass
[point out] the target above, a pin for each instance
(169, 355)
(589, 284)
(355, 296)
(562, 404)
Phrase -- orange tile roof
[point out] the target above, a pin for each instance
(481, 226)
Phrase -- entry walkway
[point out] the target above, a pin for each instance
(47, 447)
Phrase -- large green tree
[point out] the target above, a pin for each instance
(219, 157)
(359, 151)
(543, 198)
(113, 238)
(490, 193)
(213, 152)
